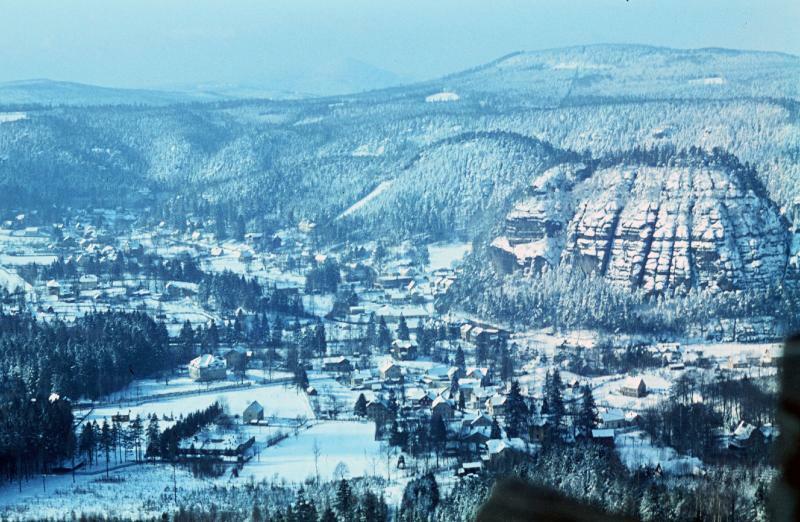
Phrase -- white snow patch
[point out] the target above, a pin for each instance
(711, 80)
(350, 442)
(444, 96)
(377, 191)
(444, 255)
(365, 150)
(8, 117)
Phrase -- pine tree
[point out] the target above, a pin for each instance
(372, 509)
(420, 498)
(384, 335)
(304, 511)
(555, 399)
(187, 340)
(516, 412)
(587, 415)
(371, 335)
(135, 432)
(461, 361)
(495, 433)
(106, 441)
(153, 433)
(360, 409)
(402, 329)
(344, 499)
(86, 441)
(277, 332)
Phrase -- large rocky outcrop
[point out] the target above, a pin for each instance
(692, 224)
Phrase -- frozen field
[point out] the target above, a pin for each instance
(608, 393)
(130, 491)
(443, 255)
(338, 441)
(277, 400)
(636, 450)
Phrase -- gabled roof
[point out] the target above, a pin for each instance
(440, 400)
(633, 382)
(207, 361)
(254, 407)
(386, 365)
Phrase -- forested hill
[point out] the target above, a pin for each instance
(278, 162)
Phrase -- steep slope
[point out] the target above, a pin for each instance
(658, 223)
(456, 186)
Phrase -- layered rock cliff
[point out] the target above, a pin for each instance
(689, 224)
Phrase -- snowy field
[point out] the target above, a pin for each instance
(278, 401)
(349, 442)
(178, 384)
(27, 259)
(608, 393)
(443, 255)
(636, 450)
(126, 494)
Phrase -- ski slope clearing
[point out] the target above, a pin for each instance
(377, 191)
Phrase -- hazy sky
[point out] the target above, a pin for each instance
(148, 43)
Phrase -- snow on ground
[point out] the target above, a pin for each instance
(182, 384)
(366, 150)
(636, 450)
(8, 117)
(443, 255)
(126, 494)
(734, 349)
(444, 96)
(318, 305)
(350, 442)
(711, 80)
(608, 393)
(377, 191)
(277, 400)
(27, 259)
(13, 282)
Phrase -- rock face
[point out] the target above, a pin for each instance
(677, 227)
(535, 228)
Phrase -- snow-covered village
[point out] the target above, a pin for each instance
(450, 261)
(289, 363)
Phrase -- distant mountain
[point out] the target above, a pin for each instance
(333, 78)
(585, 73)
(455, 157)
(50, 92)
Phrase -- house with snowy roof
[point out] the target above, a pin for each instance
(612, 419)
(504, 452)
(604, 437)
(253, 413)
(390, 371)
(496, 405)
(207, 367)
(633, 387)
(746, 435)
(441, 407)
(339, 364)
